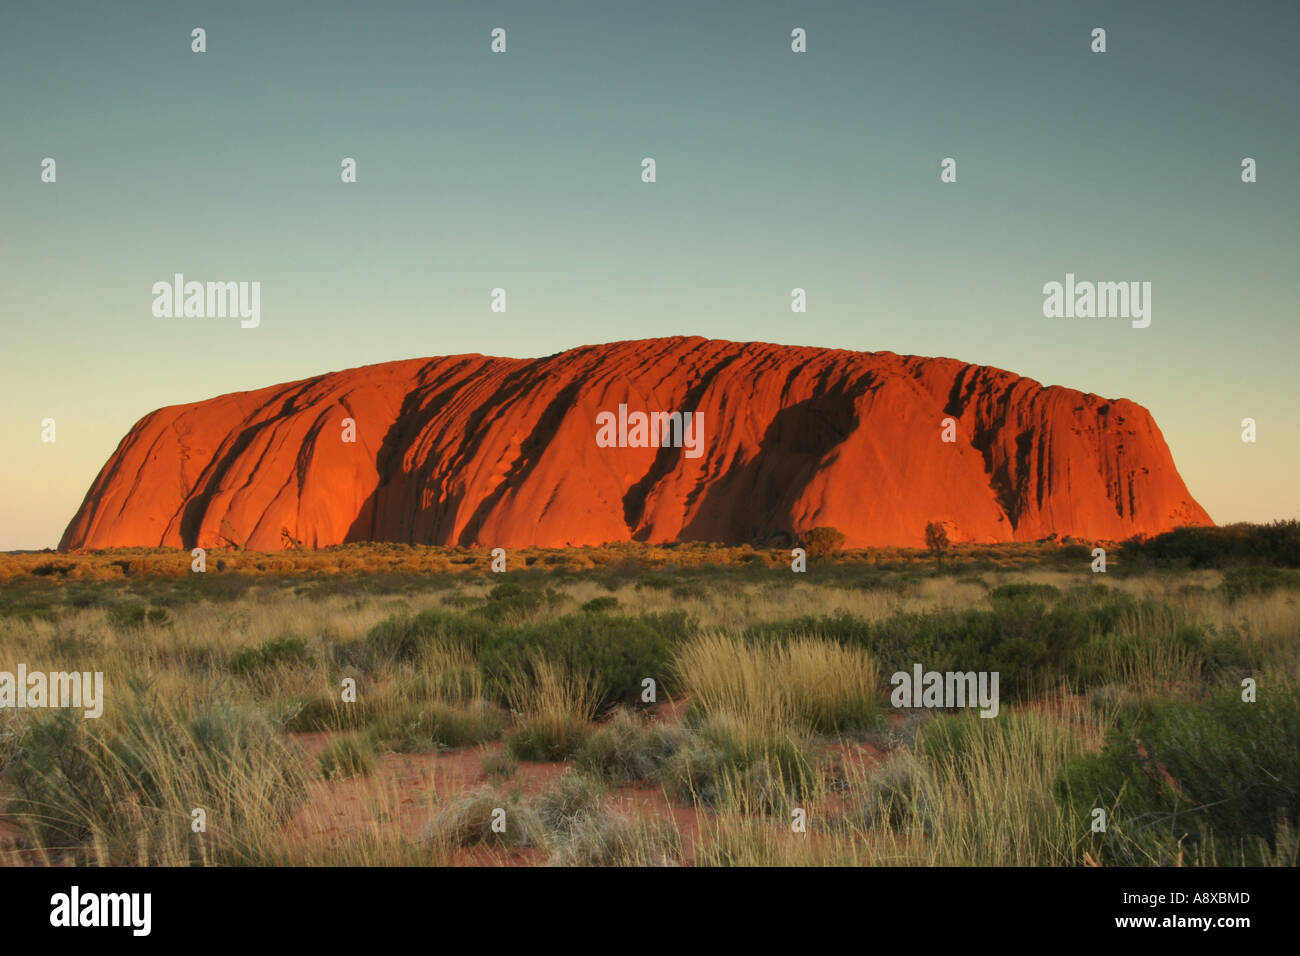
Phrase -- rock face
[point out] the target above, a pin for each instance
(471, 450)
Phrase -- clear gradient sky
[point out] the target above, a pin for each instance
(522, 171)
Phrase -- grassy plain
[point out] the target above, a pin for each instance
(504, 718)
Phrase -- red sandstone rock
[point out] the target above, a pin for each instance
(469, 450)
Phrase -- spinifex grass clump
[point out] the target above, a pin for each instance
(349, 756)
(754, 710)
(329, 712)
(568, 799)
(980, 791)
(804, 684)
(728, 758)
(483, 816)
(124, 790)
(605, 837)
(626, 748)
(435, 725)
(553, 709)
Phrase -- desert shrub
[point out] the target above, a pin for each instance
(823, 542)
(692, 590)
(327, 712)
(514, 601)
(673, 626)
(1023, 640)
(896, 798)
(222, 587)
(1023, 589)
(1108, 611)
(553, 708)
(616, 652)
(29, 610)
(1242, 582)
(1276, 544)
(351, 655)
(350, 756)
(278, 650)
(657, 581)
(132, 615)
(434, 725)
(601, 605)
(409, 638)
(1214, 782)
(1168, 655)
(1028, 643)
(842, 627)
(626, 748)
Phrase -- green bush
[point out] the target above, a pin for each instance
(126, 616)
(619, 652)
(515, 602)
(600, 605)
(1202, 782)
(1242, 582)
(1276, 544)
(1024, 589)
(673, 626)
(283, 649)
(407, 638)
(438, 726)
(823, 542)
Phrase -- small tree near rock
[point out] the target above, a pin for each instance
(823, 542)
(936, 539)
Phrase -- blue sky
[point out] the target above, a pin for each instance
(522, 170)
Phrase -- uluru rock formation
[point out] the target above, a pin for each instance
(472, 450)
